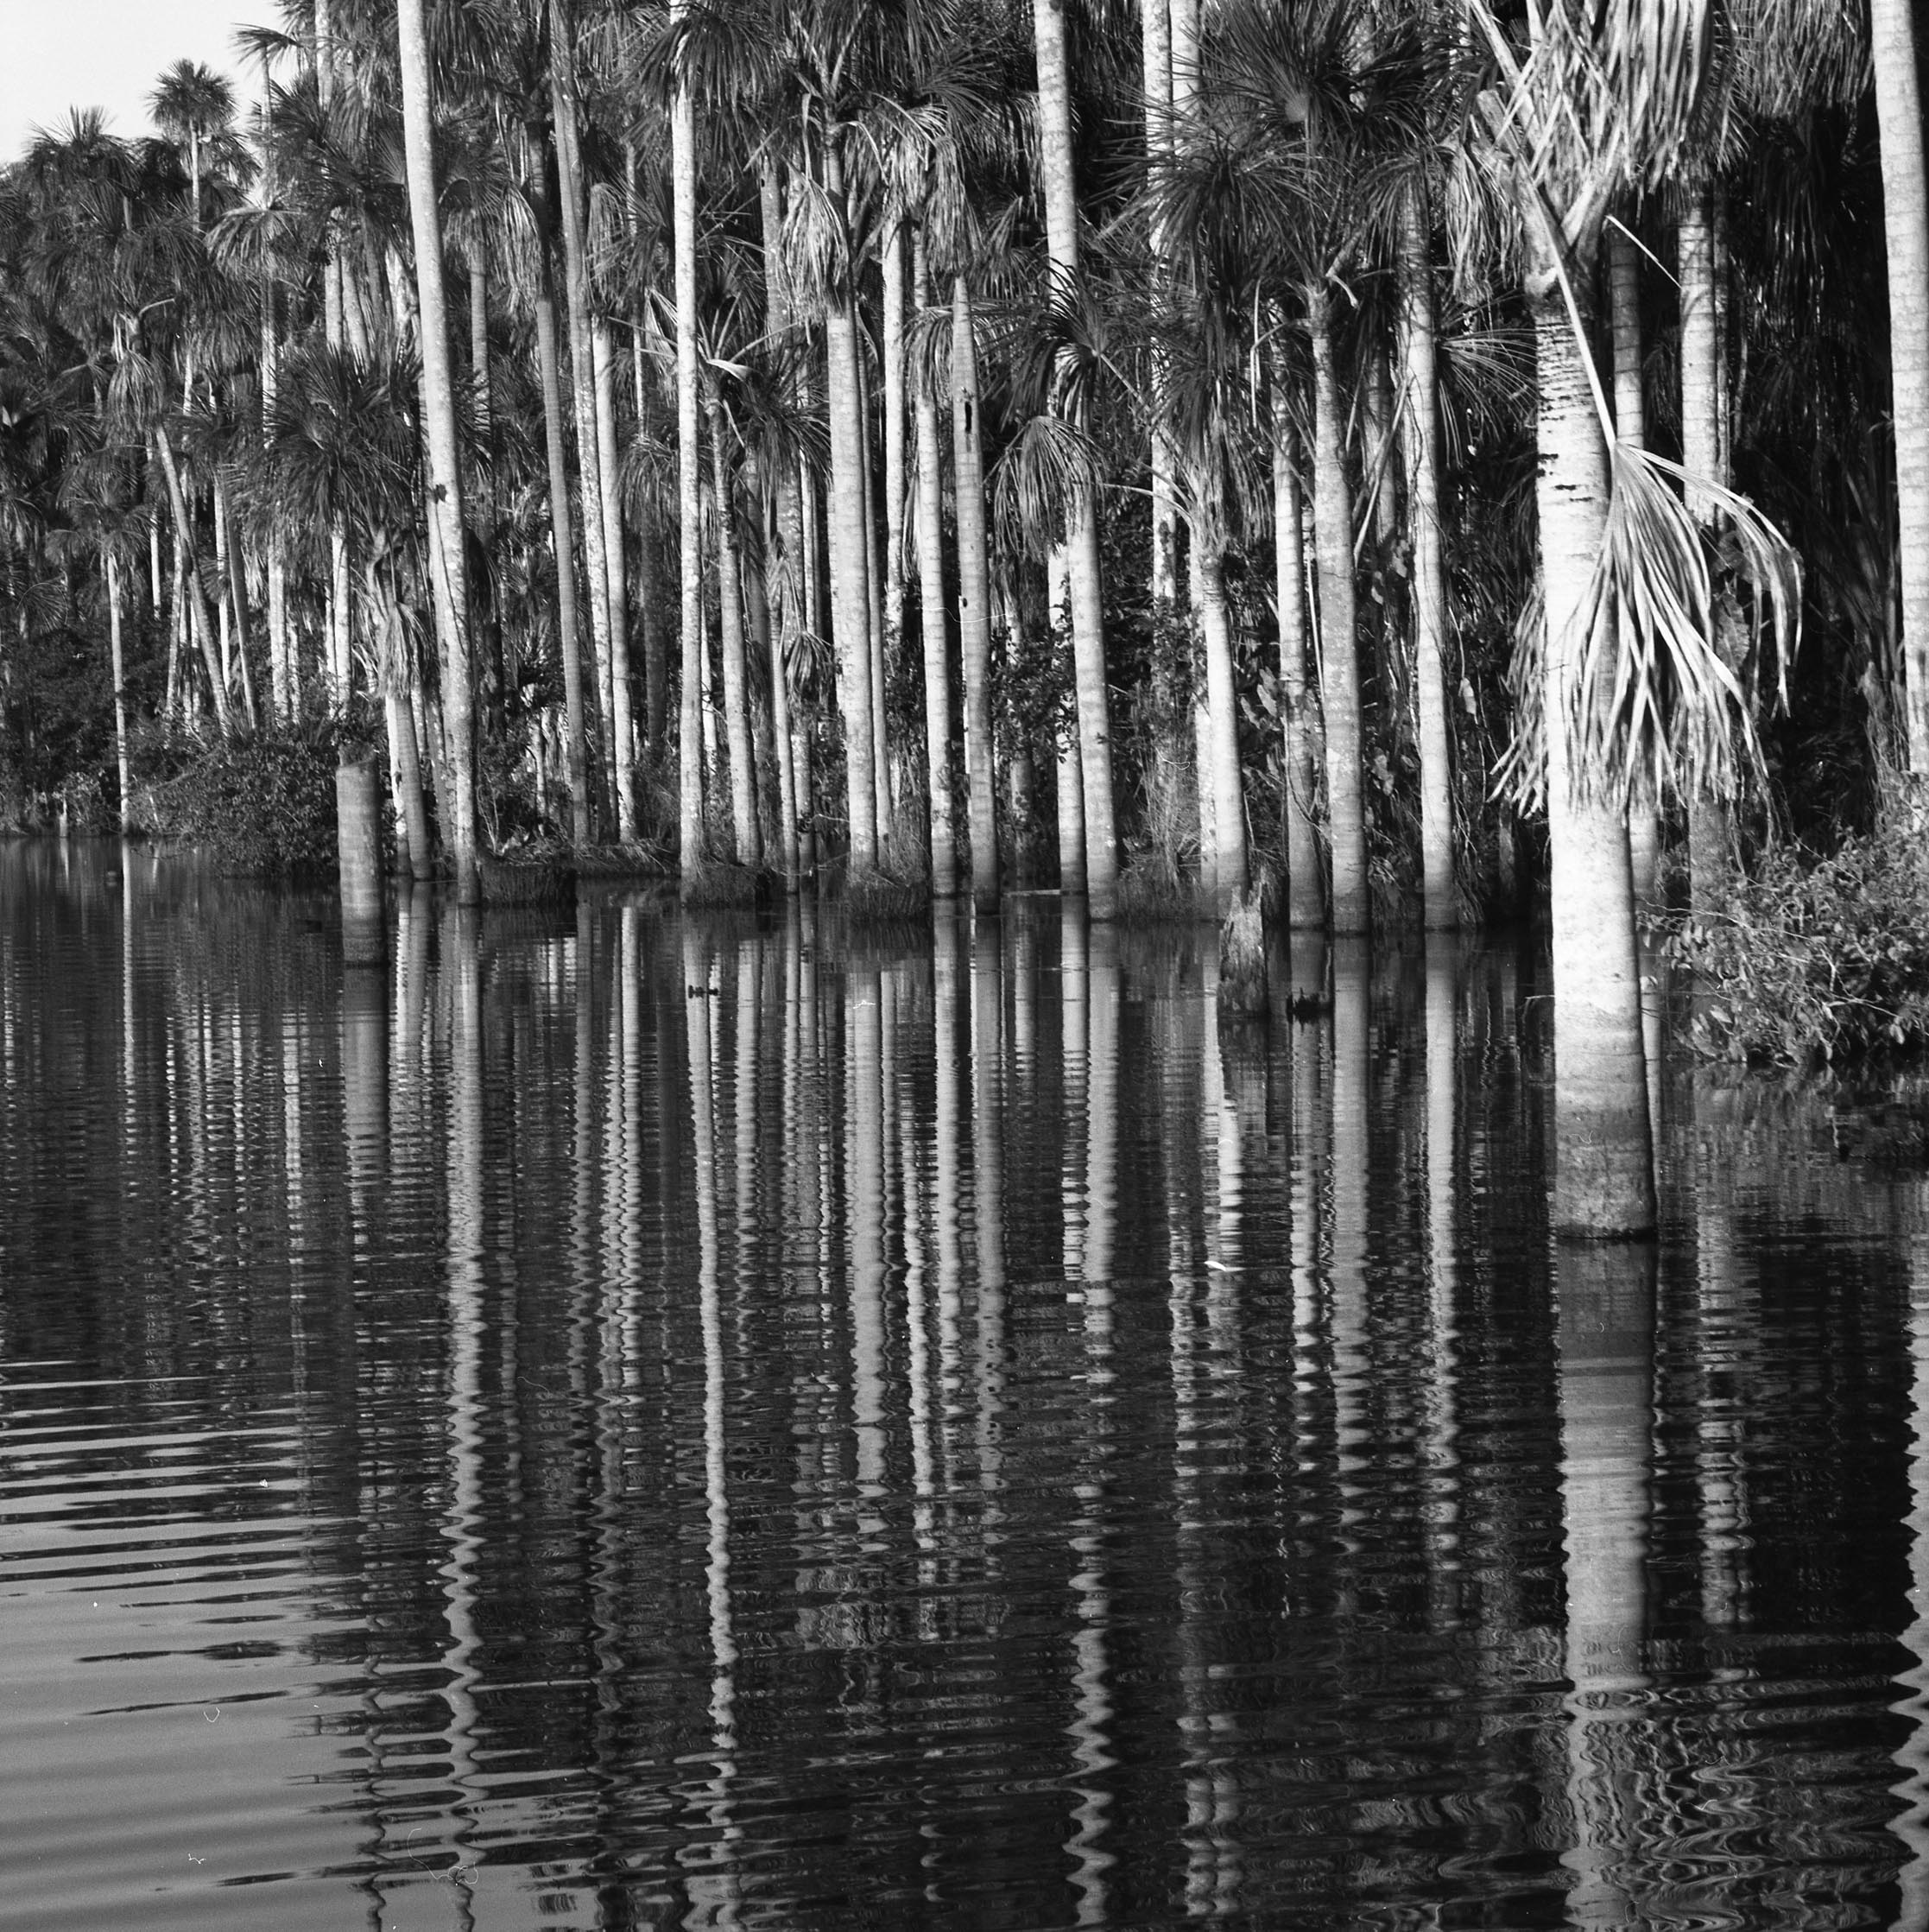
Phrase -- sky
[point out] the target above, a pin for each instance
(55, 54)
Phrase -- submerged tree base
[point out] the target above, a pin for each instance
(1152, 887)
(717, 885)
(875, 898)
(1243, 994)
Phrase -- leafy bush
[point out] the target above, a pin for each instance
(1815, 962)
(265, 804)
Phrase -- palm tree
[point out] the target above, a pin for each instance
(683, 169)
(602, 520)
(1906, 223)
(447, 541)
(1307, 115)
(1060, 194)
(1589, 108)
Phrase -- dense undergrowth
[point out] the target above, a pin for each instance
(263, 805)
(1815, 963)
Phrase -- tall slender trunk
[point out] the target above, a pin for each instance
(849, 600)
(405, 761)
(489, 627)
(890, 254)
(783, 744)
(737, 697)
(283, 691)
(1155, 43)
(1429, 570)
(1630, 423)
(1340, 667)
(1906, 229)
(1710, 827)
(452, 600)
(1068, 767)
(397, 681)
(1604, 1179)
(237, 597)
(187, 578)
(683, 172)
(974, 600)
(623, 720)
(874, 611)
(649, 621)
(650, 618)
(118, 667)
(1171, 660)
(1088, 622)
(1305, 896)
(785, 586)
(582, 364)
(931, 613)
(563, 537)
(1230, 870)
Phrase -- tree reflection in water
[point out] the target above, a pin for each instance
(763, 1424)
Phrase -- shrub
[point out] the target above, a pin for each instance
(266, 804)
(1815, 962)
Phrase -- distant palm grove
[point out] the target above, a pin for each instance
(1394, 446)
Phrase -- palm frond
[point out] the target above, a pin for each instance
(1655, 692)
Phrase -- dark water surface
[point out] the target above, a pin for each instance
(617, 1423)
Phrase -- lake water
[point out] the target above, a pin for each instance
(612, 1422)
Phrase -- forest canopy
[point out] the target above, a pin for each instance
(982, 441)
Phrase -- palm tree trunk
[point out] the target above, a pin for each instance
(683, 185)
(563, 537)
(452, 600)
(189, 580)
(1604, 1177)
(1429, 578)
(931, 593)
(1306, 898)
(1710, 827)
(785, 586)
(974, 600)
(405, 764)
(1068, 768)
(119, 672)
(495, 671)
(890, 257)
(783, 741)
(753, 565)
(582, 363)
(1906, 227)
(874, 611)
(1156, 43)
(1088, 620)
(238, 596)
(737, 697)
(650, 620)
(1630, 424)
(282, 685)
(623, 721)
(850, 602)
(1339, 682)
(1229, 871)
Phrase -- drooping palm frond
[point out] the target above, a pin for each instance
(1050, 467)
(1655, 693)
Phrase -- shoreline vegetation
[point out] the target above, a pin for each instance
(1299, 463)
